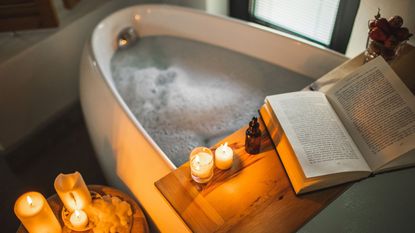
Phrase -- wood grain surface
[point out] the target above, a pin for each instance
(255, 195)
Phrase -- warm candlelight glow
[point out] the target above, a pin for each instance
(35, 214)
(73, 191)
(201, 164)
(224, 157)
(29, 200)
(79, 219)
(197, 162)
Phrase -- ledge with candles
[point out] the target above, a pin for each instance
(79, 208)
(201, 159)
(247, 191)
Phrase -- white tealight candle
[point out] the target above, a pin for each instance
(35, 214)
(224, 157)
(201, 164)
(79, 219)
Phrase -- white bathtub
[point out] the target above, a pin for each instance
(128, 156)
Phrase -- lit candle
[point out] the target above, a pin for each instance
(224, 157)
(35, 214)
(73, 191)
(79, 219)
(201, 164)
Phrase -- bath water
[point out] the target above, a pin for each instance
(188, 94)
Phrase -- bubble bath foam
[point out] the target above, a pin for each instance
(187, 93)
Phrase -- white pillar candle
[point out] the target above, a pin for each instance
(201, 164)
(73, 191)
(223, 157)
(35, 214)
(79, 219)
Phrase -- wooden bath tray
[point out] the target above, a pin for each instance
(255, 195)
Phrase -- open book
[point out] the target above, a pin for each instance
(364, 124)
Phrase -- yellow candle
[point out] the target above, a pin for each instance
(79, 219)
(201, 164)
(73, 191)
(35, 214)
(224, 157)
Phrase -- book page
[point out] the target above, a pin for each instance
(318, 138)
(378, 110)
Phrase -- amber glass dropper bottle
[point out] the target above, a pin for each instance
(253, 137)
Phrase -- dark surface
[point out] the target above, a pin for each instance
(62, 145)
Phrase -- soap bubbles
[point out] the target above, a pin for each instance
(188, 94)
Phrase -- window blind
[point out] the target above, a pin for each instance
(313, 19)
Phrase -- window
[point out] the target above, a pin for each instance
(326, 22)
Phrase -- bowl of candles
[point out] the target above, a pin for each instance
(79, 208)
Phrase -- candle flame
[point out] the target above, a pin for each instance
(29, 200)
(224, 146)
(77, 214)
(197, 161)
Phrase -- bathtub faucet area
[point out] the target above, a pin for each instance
(126, 37)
